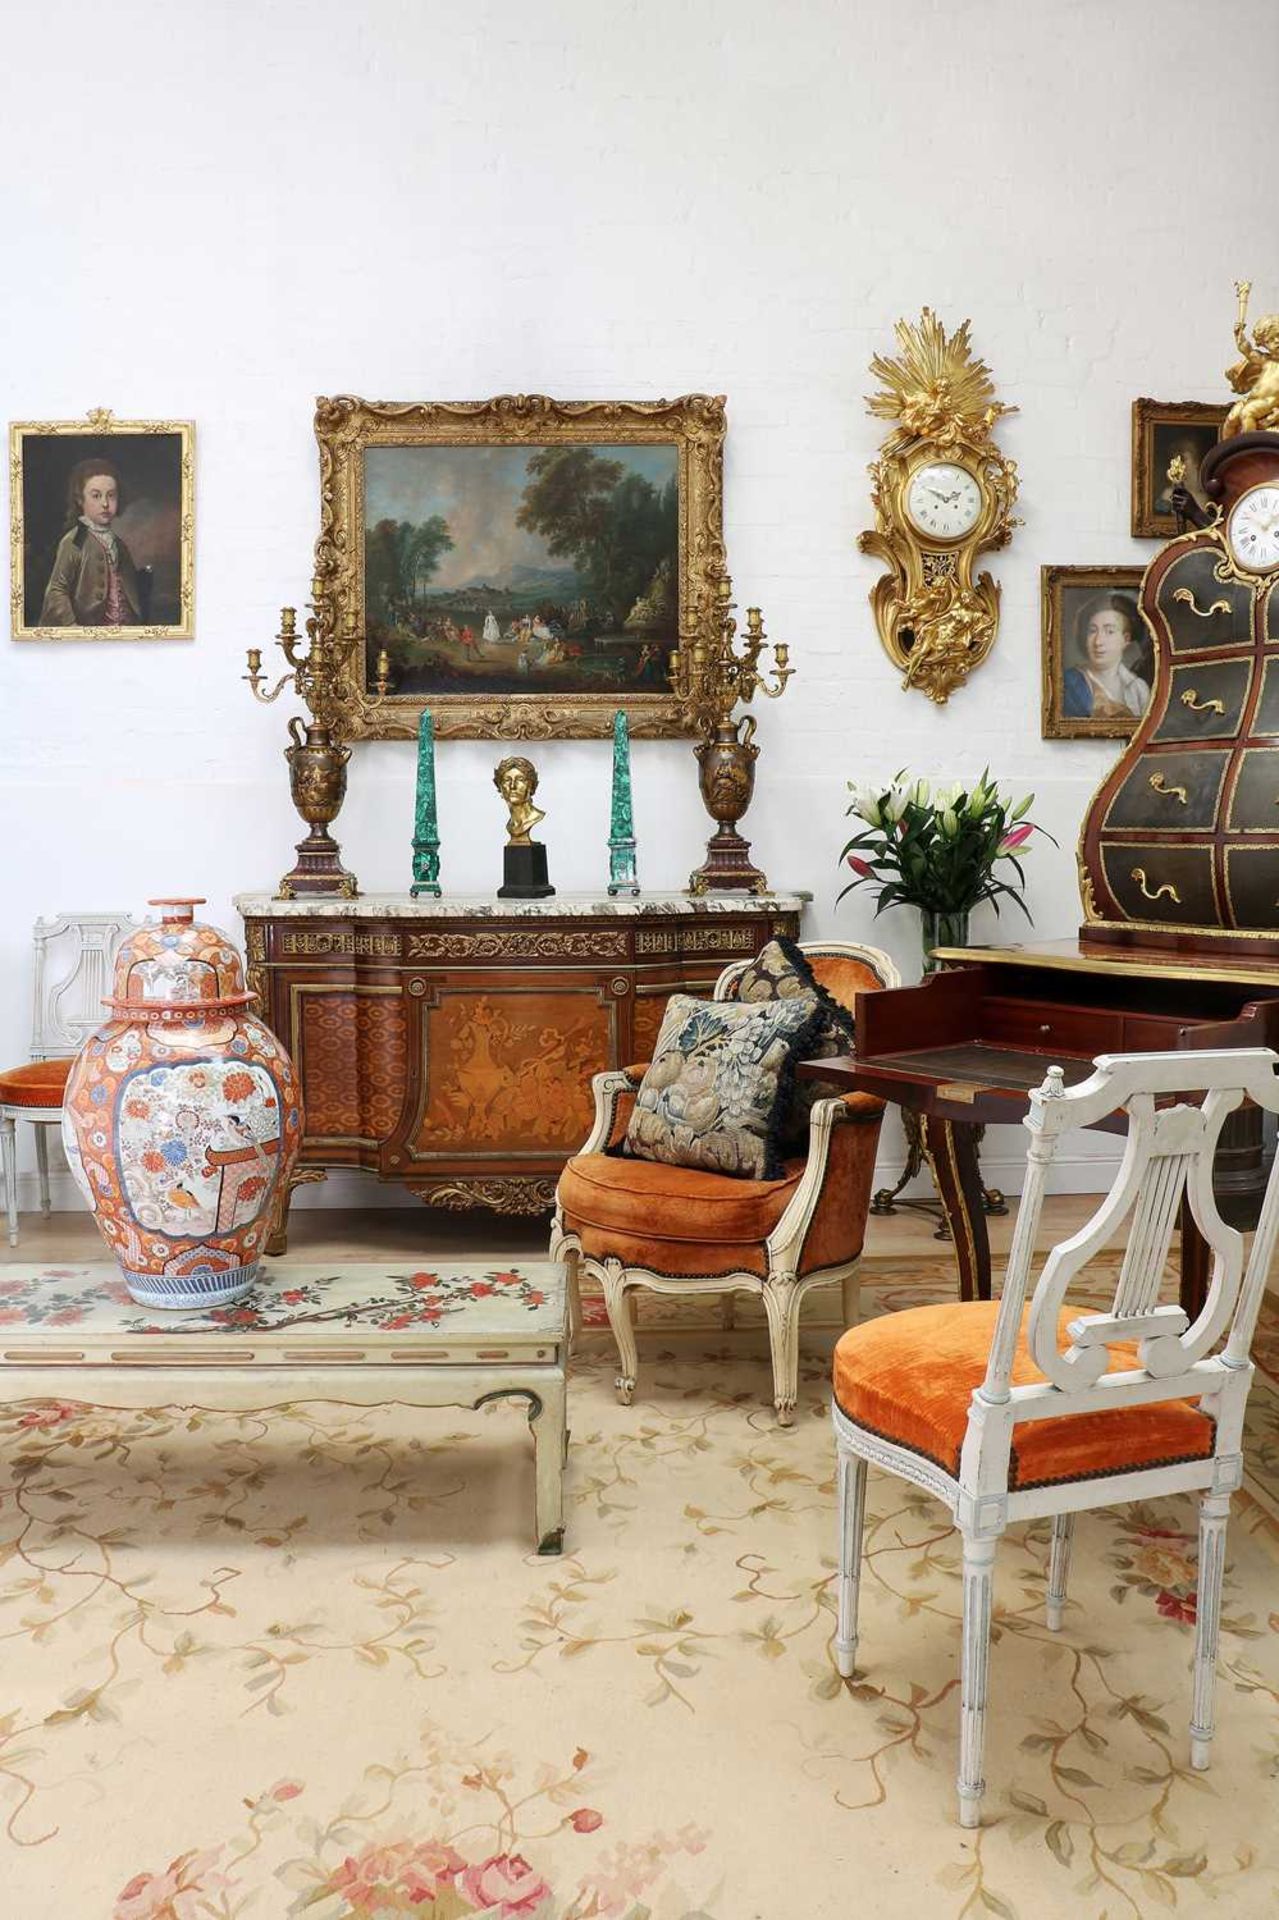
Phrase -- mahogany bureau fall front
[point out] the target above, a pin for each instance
(449, 1044)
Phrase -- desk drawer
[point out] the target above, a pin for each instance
(1043, 1026)
(1171, 790)
(1148, 1033)
(1205, 701)
(1201, 610)
(1168, 883)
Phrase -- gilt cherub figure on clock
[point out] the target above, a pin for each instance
(943, 493)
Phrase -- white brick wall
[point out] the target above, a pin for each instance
(217, 212)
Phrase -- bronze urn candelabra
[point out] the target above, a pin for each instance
(318, 757)
(709, 678)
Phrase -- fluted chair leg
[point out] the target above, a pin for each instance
(617, 1300)
(850, 1292)
(9, 1156)
(42, 1167)
(572, 1263)
(1059, 1567)
(1214, 1511)
(781, 1304)
(979, 1569)
(852, 1517)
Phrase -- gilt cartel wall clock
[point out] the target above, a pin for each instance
(943, 494)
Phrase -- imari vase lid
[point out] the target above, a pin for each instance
(178, 966)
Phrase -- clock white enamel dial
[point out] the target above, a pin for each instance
(943, 500)
(1253, 530)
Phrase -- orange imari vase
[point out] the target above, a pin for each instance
(182, 1117)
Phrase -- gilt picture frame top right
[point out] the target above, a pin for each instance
(1164, 430)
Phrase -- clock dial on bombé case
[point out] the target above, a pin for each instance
(1253, 530)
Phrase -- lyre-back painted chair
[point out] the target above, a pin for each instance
(1010, 1413)
(631, 1223)
(72, 977)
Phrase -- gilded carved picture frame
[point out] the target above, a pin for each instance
(525, 565)
(102, 529)
(1161, 429)
(1086, 682)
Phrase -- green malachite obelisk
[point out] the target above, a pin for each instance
(622, 876)
(426, 832)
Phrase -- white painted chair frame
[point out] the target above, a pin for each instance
(67, 1009)
(1169, 1152)
(782, 1290)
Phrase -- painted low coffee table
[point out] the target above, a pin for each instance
(461, 1336)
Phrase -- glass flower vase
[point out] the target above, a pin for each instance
(941, 930)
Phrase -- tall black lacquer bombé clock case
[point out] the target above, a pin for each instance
(1180, 848)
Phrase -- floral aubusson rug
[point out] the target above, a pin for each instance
(307, 1664)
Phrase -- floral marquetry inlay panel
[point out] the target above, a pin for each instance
(512, 1071)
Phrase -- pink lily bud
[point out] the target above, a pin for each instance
(859, 867)
(1015, 839)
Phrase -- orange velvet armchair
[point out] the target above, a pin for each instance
(631, 1223)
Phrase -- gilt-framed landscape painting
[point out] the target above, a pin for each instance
(1164, 430)
(525, 565)
(102, 529)
(1098, 656)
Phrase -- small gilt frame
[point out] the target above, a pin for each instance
(155, 461)
(1160, 429)
(1067, 596)
(469, 632)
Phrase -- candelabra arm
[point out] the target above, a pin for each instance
(285, 680)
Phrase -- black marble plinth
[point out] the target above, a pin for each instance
(524, 873)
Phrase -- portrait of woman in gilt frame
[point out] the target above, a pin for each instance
(102, 517)
(1098, 657)
(526, 565)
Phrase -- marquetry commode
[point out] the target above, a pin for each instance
(449, 1044)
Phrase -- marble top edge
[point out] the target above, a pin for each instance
(463, 906)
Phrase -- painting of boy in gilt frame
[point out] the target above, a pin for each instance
(1164, 431)
(525, 565)
(102, 529)
(1098, 657)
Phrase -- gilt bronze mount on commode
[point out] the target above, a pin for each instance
(318, 757)
(709, 679)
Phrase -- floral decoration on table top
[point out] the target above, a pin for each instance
(356, 1296)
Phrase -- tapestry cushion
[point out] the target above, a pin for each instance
(720, 1084)
(781, 971)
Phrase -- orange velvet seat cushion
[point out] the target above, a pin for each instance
(910, 1376)
(40, 1083)
(654, 1201)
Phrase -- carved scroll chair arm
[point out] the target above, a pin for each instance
(833, 1196)
(614, 1094)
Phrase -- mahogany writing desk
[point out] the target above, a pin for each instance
(965, 1048)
